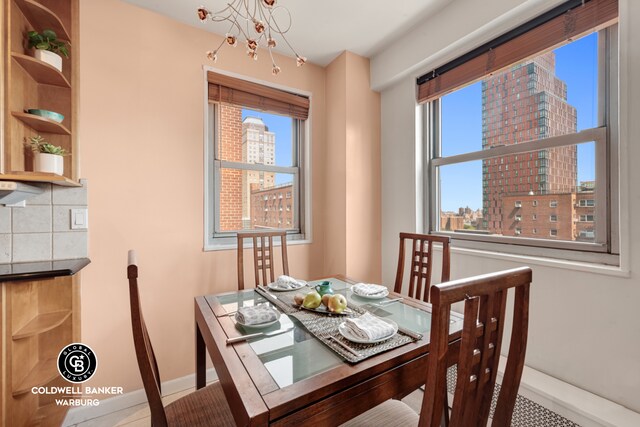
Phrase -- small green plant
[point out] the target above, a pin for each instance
(48, 40)
(39, 145)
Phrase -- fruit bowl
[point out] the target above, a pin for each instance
(46, 114)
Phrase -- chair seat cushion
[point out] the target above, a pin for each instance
(204, 407)
(387, 414)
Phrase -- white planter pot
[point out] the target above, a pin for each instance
(50, 58)
(49, 163)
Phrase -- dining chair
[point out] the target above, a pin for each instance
(485, 300)
(262, 256)
(205, 407)
(421, 263)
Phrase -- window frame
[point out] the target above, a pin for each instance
(301, 230)
(605, 137)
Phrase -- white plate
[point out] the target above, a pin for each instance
(259, 325)
(345, 332)
(274, 286)
(381, 295)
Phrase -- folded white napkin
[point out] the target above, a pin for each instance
(369, 327)
(288, 283)
(261, 313)
(368, 289)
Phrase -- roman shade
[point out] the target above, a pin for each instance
(564, 23)
(253, 95)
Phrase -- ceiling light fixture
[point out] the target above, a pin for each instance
(255, 21)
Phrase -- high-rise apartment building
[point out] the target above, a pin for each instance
(526, 102)
(258, 147)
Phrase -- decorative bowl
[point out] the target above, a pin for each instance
(51, 115)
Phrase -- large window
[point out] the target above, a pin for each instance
(255, 167)
(537, 137)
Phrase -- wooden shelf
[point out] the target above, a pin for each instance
(41, 71)
(41, 124)
(48, 415)
(41, 374)
(42, 18)
(46, 177)
(42, 323)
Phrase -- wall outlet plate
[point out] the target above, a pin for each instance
(79, 219)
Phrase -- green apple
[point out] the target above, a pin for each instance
(337, 303)
(312, 300)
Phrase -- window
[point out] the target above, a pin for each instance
(568, 158)
(553, 232)
(255, 150)
(586, 218)
(518, 231)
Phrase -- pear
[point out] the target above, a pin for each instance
(312, 300)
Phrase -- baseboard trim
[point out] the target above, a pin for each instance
(133, 398)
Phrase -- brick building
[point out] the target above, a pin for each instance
(272, 207)
(524, 103)
(230, 148)
(562, 216)
(449, 221)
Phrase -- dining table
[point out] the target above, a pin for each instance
(301, 376)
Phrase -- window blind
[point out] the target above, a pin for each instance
(569, 21)
(253, 95)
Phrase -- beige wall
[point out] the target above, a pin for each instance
(353, 185)
(141, 132)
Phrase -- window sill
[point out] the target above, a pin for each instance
(606, 270)
(233, 246)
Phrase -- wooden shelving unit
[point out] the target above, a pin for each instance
(43, 18)
(38, 317)
(40, 375)
(41, 124)
(40, 71)
(42, 323)
(46, 177)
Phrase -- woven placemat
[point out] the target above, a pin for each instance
(325, 327)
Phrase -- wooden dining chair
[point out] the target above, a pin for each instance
(485, 300)
(205, 407)
(421, 263)
(262, 256)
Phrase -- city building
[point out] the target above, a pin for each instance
(562, 216)
(258, 147)
(272, 207)
(526, 102)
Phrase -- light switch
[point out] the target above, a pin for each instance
(79, 219)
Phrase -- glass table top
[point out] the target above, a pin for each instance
(296, 355)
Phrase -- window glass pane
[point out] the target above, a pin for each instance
(251, 136)
(256, 200)
(541, 191)
(552, 94)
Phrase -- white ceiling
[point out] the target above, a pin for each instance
(322, 29)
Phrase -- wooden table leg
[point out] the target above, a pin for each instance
(201, 364)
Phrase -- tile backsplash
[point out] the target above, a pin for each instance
(41, 231)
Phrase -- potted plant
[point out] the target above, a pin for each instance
(48, 47)
(48, 157)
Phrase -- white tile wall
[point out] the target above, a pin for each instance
(41, 231)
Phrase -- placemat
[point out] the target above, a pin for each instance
(325, 327)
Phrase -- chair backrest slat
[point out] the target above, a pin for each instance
(485, 300)
(420, 271)
(263, 256)
(144, 350)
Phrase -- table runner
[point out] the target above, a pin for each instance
(324, 326)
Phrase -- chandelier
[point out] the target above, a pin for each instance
(255, 22)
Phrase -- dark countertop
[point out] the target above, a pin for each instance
(41, 269)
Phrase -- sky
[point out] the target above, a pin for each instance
(461, 184)
(282, 126)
